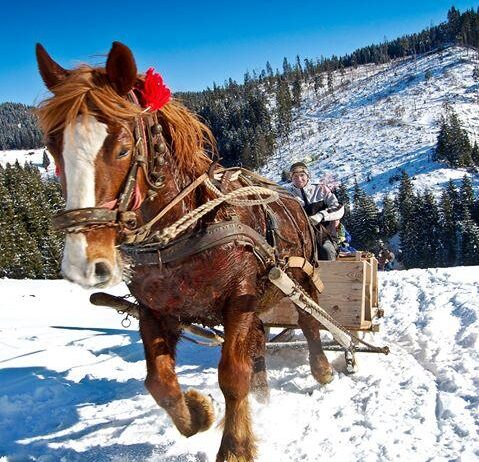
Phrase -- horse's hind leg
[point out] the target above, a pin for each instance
(191, 412)
(234, 373)
(259, 380)
(320, 367)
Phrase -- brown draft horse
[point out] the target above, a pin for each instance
(89, 124)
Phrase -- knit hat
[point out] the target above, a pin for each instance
(299, 167)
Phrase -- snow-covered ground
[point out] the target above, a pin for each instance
(71, 383)
(384, 118)
(33, 156)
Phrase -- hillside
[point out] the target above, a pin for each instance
(71, 383)
(378, 120)
(383, 118)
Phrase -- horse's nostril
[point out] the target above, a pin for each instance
(102, 271)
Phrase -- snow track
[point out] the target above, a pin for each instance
(71, 383)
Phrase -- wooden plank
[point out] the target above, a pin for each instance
(341, 271)
(368, 292)
(283, 313)
(344, 293)
(344, 296)
(375, 282)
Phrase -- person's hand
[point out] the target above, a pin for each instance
(317, 218)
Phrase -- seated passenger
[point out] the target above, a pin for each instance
(344, 239)
(322, 207)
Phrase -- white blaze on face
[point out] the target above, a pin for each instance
(82, 140)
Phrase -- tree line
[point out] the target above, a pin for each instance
(433, 232)
(29, 246)
(251, 119)
(19, 127)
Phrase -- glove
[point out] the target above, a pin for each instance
(317, 218)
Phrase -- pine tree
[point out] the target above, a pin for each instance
(296, 92)
(475, 154)
(284, 106)
(330, 79)
(343, 198)
(389, 221)
(45, 160)
(455, 198)
(466, 194)
(269, 69)
(318, 82)
(475, 73)
(407, 221)
(448, 234)
(469, 240)
(429, 232)
(287, 69)
(364, 221)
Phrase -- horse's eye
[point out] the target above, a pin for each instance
(123, 153)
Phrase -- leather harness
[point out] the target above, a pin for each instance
(149, 139)
(196, 242)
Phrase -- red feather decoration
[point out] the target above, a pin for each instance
(155, 93)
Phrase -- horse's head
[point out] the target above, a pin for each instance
(88, 125)
(110, 158)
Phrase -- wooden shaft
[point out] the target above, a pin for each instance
(281, 280)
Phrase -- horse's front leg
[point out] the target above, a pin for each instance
(191, 412)
(234, 372)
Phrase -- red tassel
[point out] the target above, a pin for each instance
(57, 170)
(155, 93)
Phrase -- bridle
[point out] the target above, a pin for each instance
(149, 152)
(148, 155)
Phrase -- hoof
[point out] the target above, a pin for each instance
(229, 457)
(201, 411)
(324, 376)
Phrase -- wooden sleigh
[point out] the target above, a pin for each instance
(350, 295)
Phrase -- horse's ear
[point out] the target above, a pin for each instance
(121, 68)
(51, 72)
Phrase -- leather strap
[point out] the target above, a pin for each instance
(309, 269)
(194, 243)
(77, 218)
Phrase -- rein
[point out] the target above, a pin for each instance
(116, 213)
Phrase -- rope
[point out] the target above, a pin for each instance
(181, 225)
(242, 203)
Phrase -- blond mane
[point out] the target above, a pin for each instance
(87, 91)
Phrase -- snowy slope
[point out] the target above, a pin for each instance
(71, 383)
(379, 119)
(383, 118)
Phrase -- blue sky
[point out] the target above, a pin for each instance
(196, 43)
